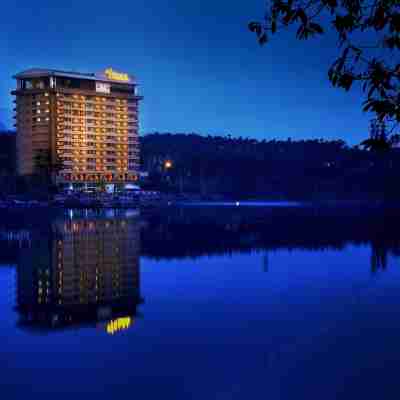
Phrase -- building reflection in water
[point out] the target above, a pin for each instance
(82, 272)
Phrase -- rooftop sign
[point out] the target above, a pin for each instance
(116, 76)
(106, 75)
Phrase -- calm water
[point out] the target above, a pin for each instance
(184, 307)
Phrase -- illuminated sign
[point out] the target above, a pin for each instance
(102, 87)
(119, 324)
(116, 76)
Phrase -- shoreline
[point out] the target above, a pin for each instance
(139, 203)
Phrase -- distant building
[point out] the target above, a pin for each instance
(84, 125)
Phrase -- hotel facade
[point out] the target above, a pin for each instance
(85, 126)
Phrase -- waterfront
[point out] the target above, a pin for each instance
(301, 305)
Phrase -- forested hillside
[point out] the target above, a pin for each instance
(239, 167)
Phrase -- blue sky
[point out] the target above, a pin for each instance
(199, 68)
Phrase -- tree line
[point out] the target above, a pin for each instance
(272, 169)
(243, 168)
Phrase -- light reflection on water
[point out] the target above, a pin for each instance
(283, 204)
(131, 304)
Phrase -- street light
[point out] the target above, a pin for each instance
(168, 164)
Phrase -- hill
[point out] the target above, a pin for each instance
(272, 169)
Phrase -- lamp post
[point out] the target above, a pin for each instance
(167, 166)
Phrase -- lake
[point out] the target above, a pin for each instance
(200, 303)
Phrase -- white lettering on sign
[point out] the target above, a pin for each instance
(102, 87)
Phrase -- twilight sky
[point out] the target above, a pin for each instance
(198, 66)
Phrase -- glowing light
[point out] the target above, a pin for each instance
(168, 164)
(119, 324)
(116, 76)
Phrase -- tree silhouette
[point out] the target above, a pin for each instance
(368, 34)
(379, 139)
(274, 169)
(44, 165)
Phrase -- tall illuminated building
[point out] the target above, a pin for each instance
(86, 125)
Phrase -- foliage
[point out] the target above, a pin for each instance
(44, 165)
(42, 162)
(279, 169)
(368, 33)
(379, 140)
(7, 152)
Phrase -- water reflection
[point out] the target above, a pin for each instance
(82, 268)
(81, 272)
(290, 295)
(186, 233)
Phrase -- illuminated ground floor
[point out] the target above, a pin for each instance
(85, 177)
(109, 187)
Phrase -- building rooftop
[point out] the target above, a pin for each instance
(108, 75)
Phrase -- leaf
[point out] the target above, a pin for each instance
(371, 91)
(395, 22)
(390, 42)
(332, 4)
(316, 27)
(357, 51)
(290, 14)
(340, 63)
(379, 20)
(302, 15)
(273, 26)
(333, 77)
(346, 81)
(263, 39)
(255, 27)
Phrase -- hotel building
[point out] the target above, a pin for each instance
(84, 125)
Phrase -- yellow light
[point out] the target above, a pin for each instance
(116, 76)
(168, 164)
(118, 324)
